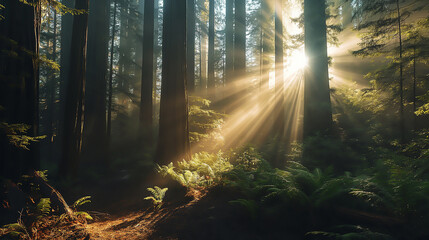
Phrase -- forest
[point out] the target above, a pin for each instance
(214, 119)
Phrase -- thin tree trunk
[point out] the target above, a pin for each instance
(146, 100)
(203, 83)
(110, 97)
(279, 81)
(211, 60)
(156, 49)
(51, 91)
(265, 19)
(229, 40)
(240, 39)
(401, 79)
(51, 87)
(190, 21)
(414, 89)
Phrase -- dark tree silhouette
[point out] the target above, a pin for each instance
(74, 98)
(146, 99)
(173, 143)
(317, 103)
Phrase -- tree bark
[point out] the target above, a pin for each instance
(75, 92)
(229, 40)
(173, 143)
(317, 103)
(203, 66)
(279, 84)
(240, 39)
(146, 100)
(95, 130)
(401, 78)
(190, 45)
(211, 58)
(110, 97)
(19, 81)
(265, 39)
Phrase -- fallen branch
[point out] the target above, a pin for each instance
(55, 196)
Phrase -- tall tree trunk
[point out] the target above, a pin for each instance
(414, 89)
(279, 85)
(74, 99)
(146, 100)
(265, 19)
(139, 38)
(317, 103)
(19, 81)
(51, 94)
(203, 67)
(124, 51)
(156, 48)
(229, 40)
(240, 39)
(66, 36)
(110, 97)
(190, 45)
(211, 58)
(173, 143)
(347, 13)
(95, 97)
(401, 78)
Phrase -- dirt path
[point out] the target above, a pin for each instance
(138, 225)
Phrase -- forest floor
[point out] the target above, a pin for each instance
(136, 225)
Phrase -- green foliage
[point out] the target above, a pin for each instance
(78, 203)
(347, 232)
(203, 170)
(326, 152)
(16, 134)
(424, 109)
(43, 208)
(57, 5)
(1, 16)
(15, 231)
(205, 124)
(81, 201)
(157, 197)
(395, 188)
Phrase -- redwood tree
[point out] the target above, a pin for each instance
(317, 103)
(190, 45)
(19, 81)
(211, 58)
(173, 143)
(96, 85)
(74, 95)
(146, 99)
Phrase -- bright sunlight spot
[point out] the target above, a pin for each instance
(297, 61)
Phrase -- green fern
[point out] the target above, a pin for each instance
(157, 197)
(81, 201)
(84, 215)
(78, 203)
(43, 208)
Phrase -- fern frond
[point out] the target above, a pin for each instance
(85, 215)
(43, 208)
(17, 227)
(81, 201)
